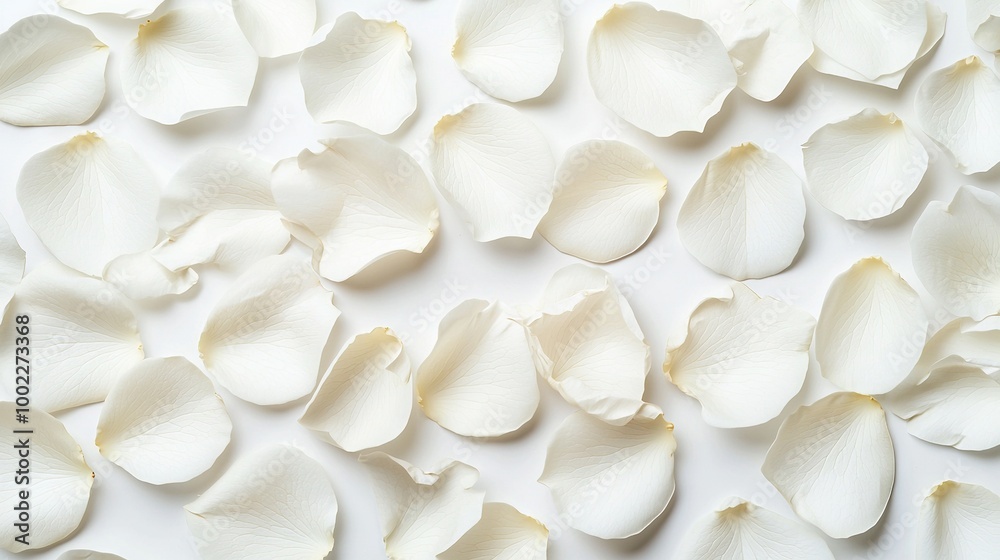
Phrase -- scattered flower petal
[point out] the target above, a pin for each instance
(745, 215)
(365, 398)
(958, 521)
(422, 513)
(11, 263)
(606, 201)
(51, 72)
(479, 379)
(983, 17)
(188, 62)
(141, 276)
(495, 168)
(132, 9)
(611, 481)
(88, 555)
(360, 72)
(264, 338)
(833, 461)
(975, 342)
(360, 200)
(90, 200)
(742, 356)
(509, 48)
(638, 57)
(955, 252)
(276, 28)
(271, 502)
(503, 533)
(871, 329)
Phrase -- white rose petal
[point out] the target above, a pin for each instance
(141, 276)
(833, 461)
(264, 338)
(975, 342)
(365, 398)
(357, 201)
(11, 263)
(958, 521)
(90, 200)
(88, 555)
(661, 71)
(132, 9)
(606, 201)
(983, 18)
(276, 27)
(745, 215)
(503, 533)
(479, 379)
(496, 168)
(51, 72)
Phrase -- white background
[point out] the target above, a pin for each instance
(140, 521)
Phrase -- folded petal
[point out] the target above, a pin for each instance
(871, 329)
(188, 62)
(423, 513)
(365, 398)
(956, 405)
(163, 422)
(957, 107)
(958, 521)
(479, 379)
(955, 252)
(611, 481)
(141, 276)
(72, 318)
(638, 57)
(606, 201)
(864, 167)
(11, 263)
(983, 18)
(264, 338)
(588, 346)
(276, 28)
(495, 168)
(51, 72)
(745, 215)
(276, 502)
(90, 200)
(361, 199)
(360, 72)
(833, 461)
(231, 239)
(509, 48)
(764, 38)
(742, 356)
(936, 20)
(871, 37)
(743, 531)
(975, 342)
(58, 480)
(132, 9)
(503, 533)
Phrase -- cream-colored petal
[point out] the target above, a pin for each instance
(661, 71)
(864, 167)
(957, 107)
(51, 72)
(264, 339)
(958, 521)
(606, 201)
(611, 481)
(90, 200)
(496, 169)
(276, 27)
(509, 48)
(479, 379)
(364, 400)
(423, 513)
(163, 422)
(361, 199)
(975, 342)
(983, 18)
(11, 263)
(745, 215)
(360, 72)
(588, 346)
(833, 461)
(141, 276)
(871, 329)
(276, 502)
(955, 252)
(742, 356)
(741, 530)
(88, 555)
(132, 9)
(188, 62)
(72, 318)
(503, 533)
(54, 476)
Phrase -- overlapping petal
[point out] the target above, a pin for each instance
(503, 533)
(983, 18)
(11, 263)
(958, 521)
